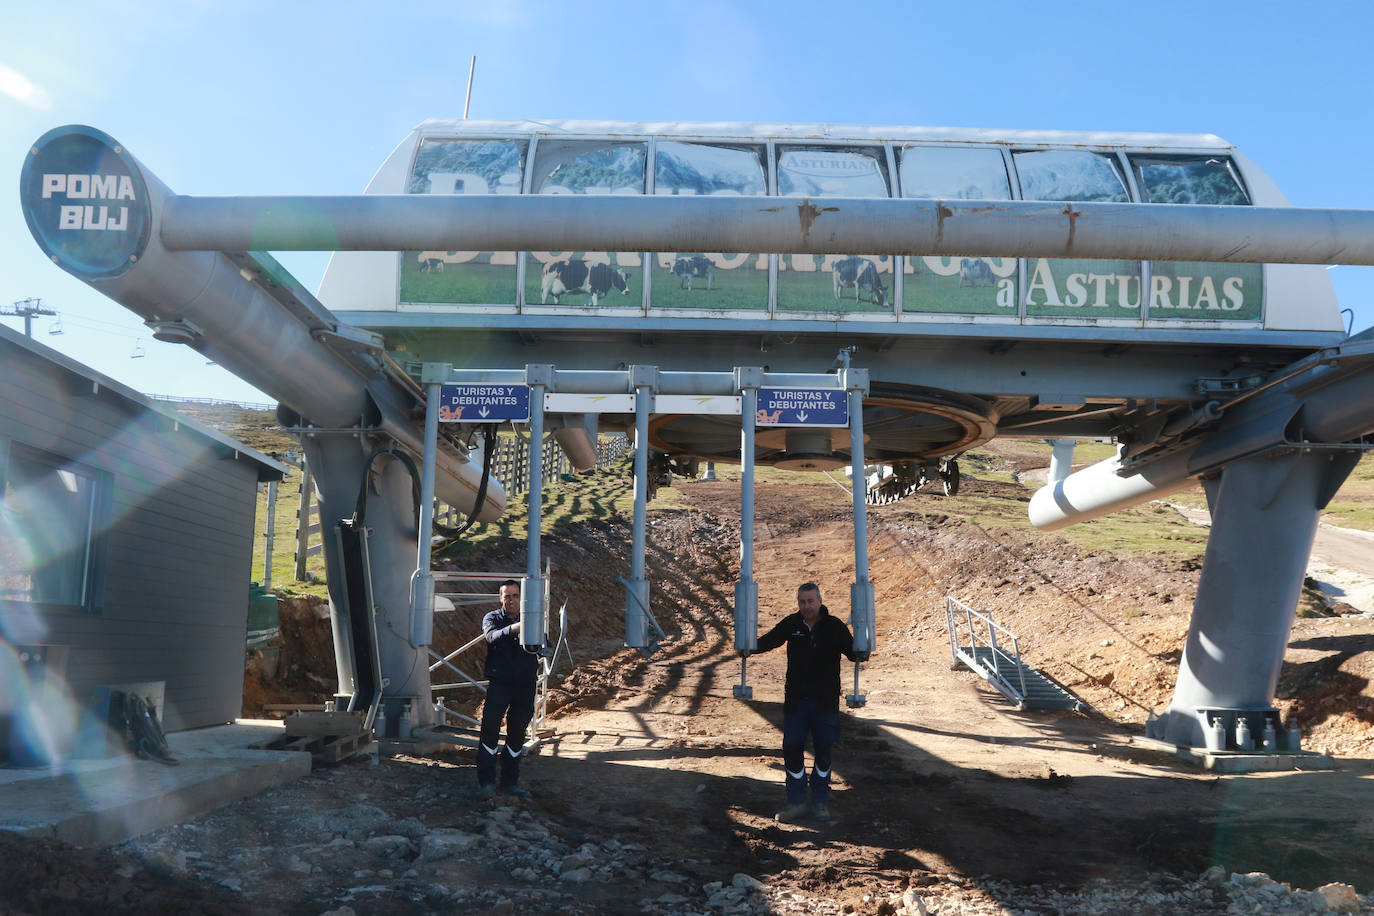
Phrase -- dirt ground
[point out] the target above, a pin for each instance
(939, 782)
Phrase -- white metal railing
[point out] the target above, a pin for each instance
(962, 620)
(546, 663)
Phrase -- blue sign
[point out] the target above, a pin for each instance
(484, 403)
(802, 407)
(86, 202)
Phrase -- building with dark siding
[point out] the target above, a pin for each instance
(126, 545)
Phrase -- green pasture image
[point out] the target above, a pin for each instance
(814, 291)
(1206, 291)
(928, 292)
(735, 288)
(475, 282)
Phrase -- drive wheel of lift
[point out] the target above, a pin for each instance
(949, 475)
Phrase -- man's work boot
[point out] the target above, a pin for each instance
(820, 811)
(793, 812)
(485, 792)
(515, 792)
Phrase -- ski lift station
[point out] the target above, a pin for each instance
(802, 296)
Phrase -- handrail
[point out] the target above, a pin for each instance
(954, 608)
(545, 666)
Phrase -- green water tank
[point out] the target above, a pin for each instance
(262, 612)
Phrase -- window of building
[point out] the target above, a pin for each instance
(446, 167)
(51, 514)
(587, 279)
(969, 284)
(1196, 290)
(1189, 180)
(953, 173)
(710, 279)
(1076, 175)
(834, 284)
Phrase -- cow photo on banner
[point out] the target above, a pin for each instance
(834, 283)
(463, 277)
(586, 279)
(961, 285)
(709, 279)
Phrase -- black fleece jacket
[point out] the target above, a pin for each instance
(813, 657)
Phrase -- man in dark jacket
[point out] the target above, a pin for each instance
(811, 701)
(511, 674)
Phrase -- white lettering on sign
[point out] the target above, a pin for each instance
(1080, 290)
(801, 400)
(459, 400)
(1163, 296)
(84, 187)
(82, 217)
(75, 216)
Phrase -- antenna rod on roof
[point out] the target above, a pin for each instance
(472, 68)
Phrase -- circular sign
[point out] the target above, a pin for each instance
(86, 202)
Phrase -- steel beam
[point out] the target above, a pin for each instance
(785, 225)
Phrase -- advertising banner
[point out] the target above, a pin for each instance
(1078, 288)
(969, 286)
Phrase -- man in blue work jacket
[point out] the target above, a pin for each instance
(511, 675)
(811, 701)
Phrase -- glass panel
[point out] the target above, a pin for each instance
(964, 285)
(586, 278)
(711, 279)
(954, 173)
(832, 172)
(1206, 291)
(834, 283)
(45, 531)
(1191, 289)
(1188, 180)
(463, 167)
(1075, 175)
(1077, 288)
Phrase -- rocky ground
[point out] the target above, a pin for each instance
(655, 789)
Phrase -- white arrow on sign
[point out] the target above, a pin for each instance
(483, 412)
(802, 416)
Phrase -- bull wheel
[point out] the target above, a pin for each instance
(949, 474)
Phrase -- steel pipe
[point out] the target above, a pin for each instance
(786, 225)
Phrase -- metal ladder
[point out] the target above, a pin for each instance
(974, 642)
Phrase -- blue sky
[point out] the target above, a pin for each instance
(248, 97)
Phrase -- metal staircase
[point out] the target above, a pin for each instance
(980, 644)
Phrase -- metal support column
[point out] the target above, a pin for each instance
(533, 607)
(644, 382)
(432, 376)
(1061, 459)
(747, 380)
(271, 533)
(1264, 518)
(861, 614)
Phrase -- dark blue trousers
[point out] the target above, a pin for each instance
(809, 718)
(516, 706)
